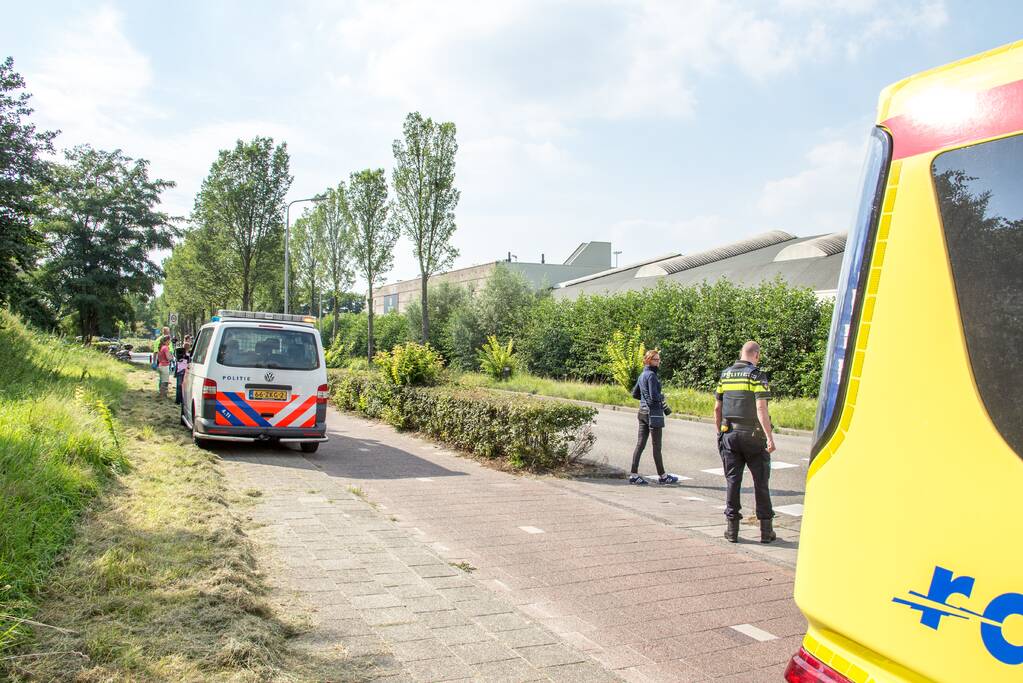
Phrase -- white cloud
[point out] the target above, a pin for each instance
(94, 80)
(96, 86)
(822, 196)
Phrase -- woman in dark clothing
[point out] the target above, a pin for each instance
(652, 410)
(182, 358)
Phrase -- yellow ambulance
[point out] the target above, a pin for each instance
(911, 557)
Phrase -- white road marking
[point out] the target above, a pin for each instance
(532, 530)
(775, 465)
(805, 459)
(501, 584)
(423, 479)
(794, 510)
(754, 632)
(364, 450)
(695, 498)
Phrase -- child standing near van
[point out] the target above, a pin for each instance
(181, 356)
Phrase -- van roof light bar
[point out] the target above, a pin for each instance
(224, 314)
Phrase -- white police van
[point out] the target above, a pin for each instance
(257, 377)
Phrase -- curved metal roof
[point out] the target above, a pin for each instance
(818, 247)
(702, 258)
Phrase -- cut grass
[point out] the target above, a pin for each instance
(793, 413)
(161, 583)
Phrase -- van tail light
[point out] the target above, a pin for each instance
(209, 389)
(805, 668)
(322, 394)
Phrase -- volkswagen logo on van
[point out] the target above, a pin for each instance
(269, 376)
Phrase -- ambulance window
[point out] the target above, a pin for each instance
(850, 281)
(981, 207)
(202, 346)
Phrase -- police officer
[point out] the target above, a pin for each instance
(745, 438)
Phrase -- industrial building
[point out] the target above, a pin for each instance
(587, 259)
(813, 262)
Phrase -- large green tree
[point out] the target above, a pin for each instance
(242, 199)
(426, 197)
(102, 225)
(22, 171)
(195, 283)
(372, 235)
(337, 245)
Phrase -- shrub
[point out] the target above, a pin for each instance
(625, 357)
(445, 299)
(352, 333)
(497, 360)
(545, 344)
(389, 330)
(463, 336)
(501, 308)
(410, 364)
(699, 331)
(526, 432)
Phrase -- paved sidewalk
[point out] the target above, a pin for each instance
(568, 583)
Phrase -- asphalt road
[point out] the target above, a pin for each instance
(690, 448)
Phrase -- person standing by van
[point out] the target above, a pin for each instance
(182, 358)
(745, 438)
(652, 410)
(163, 362)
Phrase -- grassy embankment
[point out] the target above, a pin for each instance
(115, 530)
(793, 413)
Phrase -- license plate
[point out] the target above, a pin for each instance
(268, 395)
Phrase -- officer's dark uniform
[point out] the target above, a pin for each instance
(744, 442)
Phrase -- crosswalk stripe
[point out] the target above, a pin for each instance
(754, 632)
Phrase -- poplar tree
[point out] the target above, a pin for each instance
(373, 236)
(426, 197)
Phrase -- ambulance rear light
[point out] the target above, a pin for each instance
(322, 394)
(805, 668)
(209, 389)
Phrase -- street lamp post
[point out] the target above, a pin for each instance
(287, 246)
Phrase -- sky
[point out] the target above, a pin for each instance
(661, 126)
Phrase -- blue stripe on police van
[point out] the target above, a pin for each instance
(228, 415)
(237, 399)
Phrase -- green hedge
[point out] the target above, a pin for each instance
(526, 432)
(699, 331)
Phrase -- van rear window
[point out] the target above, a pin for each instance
(981, 205)
(257, 347)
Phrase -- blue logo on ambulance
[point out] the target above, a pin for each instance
(934, 606)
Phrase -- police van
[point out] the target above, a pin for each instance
(257, 377)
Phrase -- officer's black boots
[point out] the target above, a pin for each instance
(732, 532)
(767, 531)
